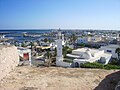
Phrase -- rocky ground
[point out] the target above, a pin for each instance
(57, 78)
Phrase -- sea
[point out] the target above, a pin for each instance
(17, 35)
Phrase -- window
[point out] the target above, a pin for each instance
(109, 51)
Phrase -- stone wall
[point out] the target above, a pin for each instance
(118, 86)
(9, 59)
(63, 64)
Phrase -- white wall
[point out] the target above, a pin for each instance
(63, 64)
(114, 55)
(96, 39)
(59, 48)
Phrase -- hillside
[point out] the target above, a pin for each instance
(57, 78)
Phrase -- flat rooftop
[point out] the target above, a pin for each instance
(21, 48)
(92, 51)
(112, 46)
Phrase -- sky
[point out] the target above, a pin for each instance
(64, 14)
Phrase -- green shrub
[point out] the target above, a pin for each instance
(66, 50)
(99, 66)
(89, 46)
(69, 50)
(82, 45)
(114, 61)
(92, 65)
(108, 67)
(96, 47)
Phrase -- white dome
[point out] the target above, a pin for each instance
(88, 54)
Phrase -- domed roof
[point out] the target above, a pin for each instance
(88, 53)
(88, 50)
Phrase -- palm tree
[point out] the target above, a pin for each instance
(73, 38)
(48, 55)
(31, 44)
(33, 48)
(118, 52)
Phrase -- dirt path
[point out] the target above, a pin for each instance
(54, 78)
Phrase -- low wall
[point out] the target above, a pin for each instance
(63, 64)
(9, 59)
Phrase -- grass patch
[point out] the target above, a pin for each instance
(99, 66)
(108, 67)
(92, 65)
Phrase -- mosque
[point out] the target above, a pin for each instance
(80, 55)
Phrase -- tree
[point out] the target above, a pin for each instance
(32, 48)
(23, 45)
(66, 50)
(55, 52)
(45, 40)
(118, 52)
(31, 44)
(48, 55)
(73, 38)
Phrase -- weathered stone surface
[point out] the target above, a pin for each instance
(57, 78)
(9, 58)
(118, 86)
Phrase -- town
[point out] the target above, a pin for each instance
(59, 44)
(66, 48)
(59, 48)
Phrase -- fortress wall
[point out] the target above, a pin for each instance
(9, 59)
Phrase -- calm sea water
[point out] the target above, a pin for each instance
(18, 34)
(28, 31)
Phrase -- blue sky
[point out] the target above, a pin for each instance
(65, 14)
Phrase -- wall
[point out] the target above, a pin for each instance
(9, 59)
(82, 40)
(63, 64)
(114, 55)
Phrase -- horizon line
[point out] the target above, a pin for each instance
(56, 29)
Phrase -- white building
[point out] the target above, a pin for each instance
(87, 33)
(110, 49)
(83, 40)
(96, 39)
(84, 55)
(25, 54)
(2, 36)
(88, 39)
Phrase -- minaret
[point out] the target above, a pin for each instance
(59, 56)
(63, 42)
(118, 38)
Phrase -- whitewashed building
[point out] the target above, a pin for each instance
(25, 54)
(96, 39)
(2, 36)
(88, 39)
(83, 40)
(110, 49)
(83, 55)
